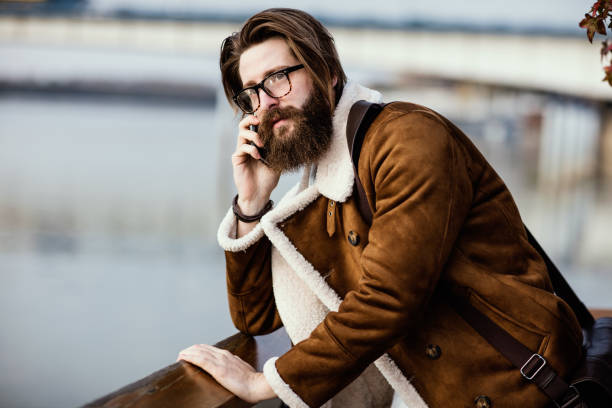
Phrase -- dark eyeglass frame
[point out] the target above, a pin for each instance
(285, 71)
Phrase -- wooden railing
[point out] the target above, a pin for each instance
(184, 385)
(597, 313)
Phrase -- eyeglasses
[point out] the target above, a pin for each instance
(276, 85)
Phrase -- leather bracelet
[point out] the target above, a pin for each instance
(250, 218)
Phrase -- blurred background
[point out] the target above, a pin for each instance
(115, 141)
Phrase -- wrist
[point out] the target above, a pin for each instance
(248, 216)
(260, 389)
(251, 207)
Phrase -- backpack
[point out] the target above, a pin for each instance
(590, 385)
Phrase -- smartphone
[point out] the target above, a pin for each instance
(261, 150)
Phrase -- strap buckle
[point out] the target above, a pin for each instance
(539, 362)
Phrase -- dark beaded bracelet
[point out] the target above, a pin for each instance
(250, 218)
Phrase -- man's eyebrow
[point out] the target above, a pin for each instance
(268, 72)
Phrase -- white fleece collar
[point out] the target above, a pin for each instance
(334, 175)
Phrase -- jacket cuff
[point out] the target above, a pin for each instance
(280, 387)
(226, 235)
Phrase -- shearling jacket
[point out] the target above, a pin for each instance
(363, 303)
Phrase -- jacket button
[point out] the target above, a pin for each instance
(433, 351)
(353, 238)
(482, 401)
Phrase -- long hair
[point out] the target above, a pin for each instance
(307, 38)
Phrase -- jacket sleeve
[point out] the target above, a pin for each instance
(249, 278)
(422, 194)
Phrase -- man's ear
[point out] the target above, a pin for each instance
(331, 91)
(332, 87)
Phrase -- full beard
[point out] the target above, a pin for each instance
(303, 138)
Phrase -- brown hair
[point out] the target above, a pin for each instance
(307, 38)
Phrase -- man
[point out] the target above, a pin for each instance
(367, 306)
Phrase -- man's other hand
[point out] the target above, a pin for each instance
(230, 371)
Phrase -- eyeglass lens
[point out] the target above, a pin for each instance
(276, 85)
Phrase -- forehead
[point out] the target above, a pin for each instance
(264, 58)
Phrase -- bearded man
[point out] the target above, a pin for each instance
(364, 304)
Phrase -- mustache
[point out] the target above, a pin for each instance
(277, 113)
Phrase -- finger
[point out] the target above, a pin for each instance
(190, 348)
(257, 139)
(205, 360)
(194, 351)
(223, 356)
(199, 361)
(215, 365)
(212, 352)
(205, 348)
(216, 351)
(248, 120)
(248, 149)
(245, 135)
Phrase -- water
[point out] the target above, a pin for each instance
(107, 254)
(77, 326)
(90, 165)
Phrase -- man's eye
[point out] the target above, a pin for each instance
(275, 78)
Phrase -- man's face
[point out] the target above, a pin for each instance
(295, 129)
(269, 56)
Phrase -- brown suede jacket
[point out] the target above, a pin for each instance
(442, 217)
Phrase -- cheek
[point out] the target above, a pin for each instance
(302, 87)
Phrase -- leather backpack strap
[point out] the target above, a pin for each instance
(561, 287)
(360, 117)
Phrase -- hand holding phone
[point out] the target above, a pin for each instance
(261, 150)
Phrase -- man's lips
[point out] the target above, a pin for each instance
(277, 122)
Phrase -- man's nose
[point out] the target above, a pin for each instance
(266, 101)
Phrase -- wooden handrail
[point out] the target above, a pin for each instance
(185, 385)
(597, 313)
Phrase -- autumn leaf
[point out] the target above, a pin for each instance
(593, 25)
(608, 77)
(595, 22)
(596, 7)
(602, 6)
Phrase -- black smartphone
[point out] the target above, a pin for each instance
(261, 150)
